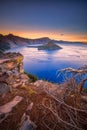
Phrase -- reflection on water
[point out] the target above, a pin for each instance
(45, 64)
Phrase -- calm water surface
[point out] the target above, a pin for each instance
(46, 64)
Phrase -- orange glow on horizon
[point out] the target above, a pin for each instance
(51, 34)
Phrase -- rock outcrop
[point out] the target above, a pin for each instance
(49, 46)
(39, 105)
(11, 72)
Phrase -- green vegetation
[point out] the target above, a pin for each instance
(24, 87)
(32, 77)
(32, 92)
(19, 60)
(85, 90)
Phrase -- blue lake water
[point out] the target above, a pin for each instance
(46, 64)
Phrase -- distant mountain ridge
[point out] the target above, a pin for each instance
(11, 41)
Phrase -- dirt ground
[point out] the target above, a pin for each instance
(29, 94)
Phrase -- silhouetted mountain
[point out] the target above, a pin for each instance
(4, 44)
(67, 42)
(11, 41)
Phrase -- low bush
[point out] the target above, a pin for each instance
(32, 77)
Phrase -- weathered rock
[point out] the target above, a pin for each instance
(11, 61)
(24, 76)
(7, 77)
(30, 106)
(25, 79)
(21, 70)
(15, 85)
(11, 70)
(18, 80)
(39, 82)
(4, 88)
(27, 125)
(8, 106)
(84, 98)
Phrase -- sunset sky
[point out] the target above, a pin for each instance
(57, 19)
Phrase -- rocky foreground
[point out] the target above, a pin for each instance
(40, 105)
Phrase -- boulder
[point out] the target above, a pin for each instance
(9, 106)
(4, 88)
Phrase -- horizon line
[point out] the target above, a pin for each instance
(25, 37)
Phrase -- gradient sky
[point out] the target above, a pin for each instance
(57, 19)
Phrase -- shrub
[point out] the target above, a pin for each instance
(85, 90)
(32, 77)
(32, 92)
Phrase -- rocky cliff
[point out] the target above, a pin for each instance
(11, 72)
(41, 105)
